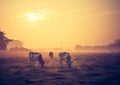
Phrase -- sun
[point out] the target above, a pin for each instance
(31, 16)
(35, 16)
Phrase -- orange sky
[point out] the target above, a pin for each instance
(52, 23)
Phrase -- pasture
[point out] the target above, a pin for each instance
(87, 69)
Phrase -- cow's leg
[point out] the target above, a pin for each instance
(61, 61)
(42, 64)
(68, 61)
(30, 61)
(69, 64)
(51, 57)
(41, 61)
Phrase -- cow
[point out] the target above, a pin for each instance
(51, 55)
(35, 56)
(66, 57)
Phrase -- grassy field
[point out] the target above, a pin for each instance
(87, 69)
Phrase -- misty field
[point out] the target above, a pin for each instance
(87, 69)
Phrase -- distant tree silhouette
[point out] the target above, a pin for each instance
(117, 42)
(3, 41)
(15, 44)
(78, 47)
(19, 49)
(113, 47)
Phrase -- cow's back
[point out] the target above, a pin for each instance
(33, 56)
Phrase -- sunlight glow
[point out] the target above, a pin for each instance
(31, 17)
(60, 23)
(35, 16)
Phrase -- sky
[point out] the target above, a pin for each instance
(56, 23)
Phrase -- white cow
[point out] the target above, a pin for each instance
(66, 57)
(35, 56)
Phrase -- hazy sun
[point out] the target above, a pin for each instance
(31, 17)
(34, 16)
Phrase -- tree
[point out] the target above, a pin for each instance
(78, 47)
(15, 44)
(3, 41)
(117, 42)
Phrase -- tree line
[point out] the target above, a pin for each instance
(4, 41)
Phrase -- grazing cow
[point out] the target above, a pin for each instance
(66, 57)
(51, 55)
(35, 56)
